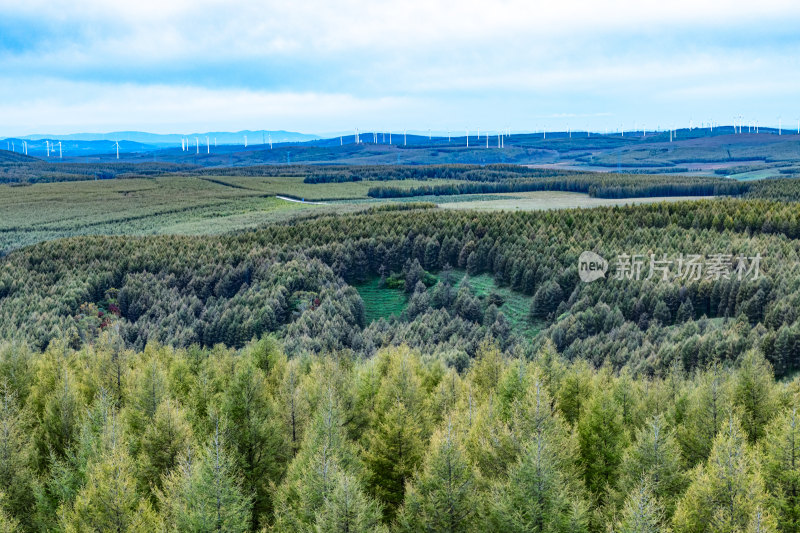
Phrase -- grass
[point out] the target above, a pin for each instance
(539, 200)
(169, 204)
(380, 302)
(516, 306)
(294, 186)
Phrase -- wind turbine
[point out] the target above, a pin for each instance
(215, 142)
(48, 148)
(779, 125)
(208, 145)
(270, 141)
(197, 145)
(117, 144)
(60, 154)
(404, 137)
(467, 138)
(245, 141)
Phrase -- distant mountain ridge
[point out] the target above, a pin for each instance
(222, 137)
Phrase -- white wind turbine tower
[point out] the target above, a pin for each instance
(60, 153)
(404, 137)
(117, 144)
(270, 141)
(215, 142)
(779, 125)
(208, 145)
(197, 145)
(467, 138)
(182, 148)
(245, 141)
(47, 143)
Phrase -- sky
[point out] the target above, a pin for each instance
(321, 67)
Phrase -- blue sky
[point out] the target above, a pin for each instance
(318, 67)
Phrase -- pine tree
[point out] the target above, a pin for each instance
(753, 391)
(708, 409)
(16, 460)
(781, 468)
(655, 458)
(445, 496)
(203, 493)
(164, 439)
(255, 437)
(602, 439)
(110, 501)
(394, 448)
(543, 489)
(727, 493)
(642, 512)
(348, 509)
(8, 524)
(311, 476)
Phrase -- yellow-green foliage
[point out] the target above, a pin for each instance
(201, 439)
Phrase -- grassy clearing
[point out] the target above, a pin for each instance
(516, 306)
(380, 302)
(540, 200)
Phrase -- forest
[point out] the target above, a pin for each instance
(244, 381)
(106, 438)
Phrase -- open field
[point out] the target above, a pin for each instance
(540, 200)
(165, 205)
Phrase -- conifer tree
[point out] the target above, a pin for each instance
(203, 493)
(163, 441)
(655, 458)
(255, 438)
(16, 460)
(602, 439)
(753, 392)
(445, 496)
(727, 492)
(642, 512)
(348, 509)
(110, 501)
(781, 468)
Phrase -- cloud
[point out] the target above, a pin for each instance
(438, 61)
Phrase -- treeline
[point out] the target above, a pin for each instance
(108, 439)
(295, 280)
(784, 189)
(34, 170)
(349, 173)
(596, 185)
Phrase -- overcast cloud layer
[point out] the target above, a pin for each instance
(317, 67)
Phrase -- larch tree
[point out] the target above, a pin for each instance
(204, 494)
(781, 468)
(655, 457)
(445, 496)
(727, 492)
